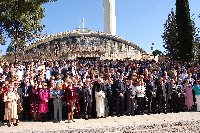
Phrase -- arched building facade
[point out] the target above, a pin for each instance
(82, 43)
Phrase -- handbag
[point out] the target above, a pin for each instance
(19, 108)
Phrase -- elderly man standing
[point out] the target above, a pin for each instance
(120, 92)
(57, 96)
(109, 88)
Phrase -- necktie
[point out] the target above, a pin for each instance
(26, 89)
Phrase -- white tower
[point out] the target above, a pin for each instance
(109, 17)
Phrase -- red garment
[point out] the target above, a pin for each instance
(44, 97)
(34, 102)
(4, 90)
(71, 97)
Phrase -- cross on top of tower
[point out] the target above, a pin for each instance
(83, 23)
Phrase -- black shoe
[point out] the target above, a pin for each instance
(8, 124)
(86, 117)
(15, 124)
(54, 121)
(128, 114)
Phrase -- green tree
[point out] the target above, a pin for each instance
(171, 41)
(21, 19)
(196, 35)
(170, 36)
(157, 52)
(185, 31)
(2, 39)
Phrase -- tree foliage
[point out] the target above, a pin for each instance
(185, 30)
(21, 19)
(181, 45)
(196, 45)
(157, 52)
(170, 36)
(2, 39)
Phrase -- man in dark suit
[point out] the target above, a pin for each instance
(160, 96)
(109, 88)
(174, 97)
(87, 96)
(96, 88)
(149, 93)
(181, 97)
(130, 97)
(120, 92)
(26, 88)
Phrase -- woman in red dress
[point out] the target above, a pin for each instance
(71, 100)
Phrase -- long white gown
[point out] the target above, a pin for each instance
(100, 103)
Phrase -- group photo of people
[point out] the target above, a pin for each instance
(66, 90)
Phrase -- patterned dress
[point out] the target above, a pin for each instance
(188, 96)
(34, 102)
(71, 98)
(10, 99)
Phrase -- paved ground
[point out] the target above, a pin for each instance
(171, 122)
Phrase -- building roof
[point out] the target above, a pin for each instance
(82, 32)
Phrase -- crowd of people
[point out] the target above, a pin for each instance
(64, 89)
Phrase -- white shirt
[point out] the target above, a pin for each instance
(134, 90)
(48, 74)
(1, 70)
(140, 91)
(51, 92)
(183, 76)
(20, 73)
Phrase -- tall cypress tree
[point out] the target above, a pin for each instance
(170, 36)
(185, 31)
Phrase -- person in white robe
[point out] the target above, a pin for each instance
(100, 100)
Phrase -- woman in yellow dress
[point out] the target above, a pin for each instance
(10, 98)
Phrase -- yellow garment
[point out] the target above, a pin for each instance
(10, 99)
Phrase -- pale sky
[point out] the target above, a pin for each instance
(138, 21)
